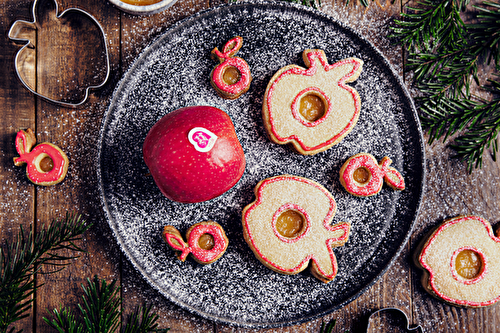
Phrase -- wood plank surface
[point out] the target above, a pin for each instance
(450, 190)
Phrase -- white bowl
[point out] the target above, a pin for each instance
(143, 9)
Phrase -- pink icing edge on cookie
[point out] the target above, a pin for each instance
(375, 183)
(220, 243)
(183, 247)
(297, 70)
(326, 223)
(230, 49)
(484, 268)
(296, 106)
(192, 245)
(421, 260)
(238, 87)
(386, 170)
(28, 155)
(290, 206)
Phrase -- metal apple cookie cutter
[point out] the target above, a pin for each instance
(399, 313)
(40, 64)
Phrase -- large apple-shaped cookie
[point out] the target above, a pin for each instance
(193, 154)
(312, 108)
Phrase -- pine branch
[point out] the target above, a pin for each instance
(328, 328)
(445, 55)
(310, 3)
(430, 25)
(101, 313)
(64, 321)
(101, 309)
(23, 258)
(482, 133)
(142, 320)
(486, 33)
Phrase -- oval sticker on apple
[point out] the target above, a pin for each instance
(202, 139)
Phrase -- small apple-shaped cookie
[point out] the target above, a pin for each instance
(193, 154)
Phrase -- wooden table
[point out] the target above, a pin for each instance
(450, 190)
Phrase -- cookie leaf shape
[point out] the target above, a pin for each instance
(316, 239)
(292, 85)
(439, 256)
(39, 64)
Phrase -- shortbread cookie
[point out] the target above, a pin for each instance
(461, 262)
(232, 77)
(206, 241)
(47, 164)
(288, 225)
(362, 176)
(312, 108)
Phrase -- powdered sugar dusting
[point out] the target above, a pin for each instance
(174, 72)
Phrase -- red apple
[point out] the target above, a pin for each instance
(193, 154)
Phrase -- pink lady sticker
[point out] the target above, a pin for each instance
(202, 139)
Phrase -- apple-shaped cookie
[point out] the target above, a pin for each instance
(193, 154)
(312, 108)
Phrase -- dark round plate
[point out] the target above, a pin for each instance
(173, 72)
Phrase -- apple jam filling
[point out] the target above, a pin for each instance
(312, 107)
(44, 163)
(141, 2)
(231, 75)
(468, 264)
(290, 223)
(361, 175)
(206, 242)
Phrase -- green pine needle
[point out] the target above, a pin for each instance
(25, 256)
(445, 55)
(142, 320)
(101, 313)
(101, 306)
(328, 328)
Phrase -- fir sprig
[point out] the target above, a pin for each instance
(101, 312)
(483, 131)
(23, 258)
(445, 55)
(328, 328)
(310, 3)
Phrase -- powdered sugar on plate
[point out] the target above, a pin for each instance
(173, 72)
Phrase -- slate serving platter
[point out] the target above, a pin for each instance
(173, 72)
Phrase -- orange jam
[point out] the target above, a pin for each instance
(290, 223)
(231, 75)
(468, 264)
(141, 2)
(312, 107)
(361, 175)
(206, 242)
(46, 164)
